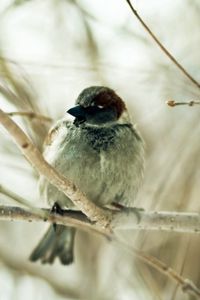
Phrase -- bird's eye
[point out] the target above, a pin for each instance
(94, 109)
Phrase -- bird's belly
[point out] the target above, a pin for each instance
(92, 174)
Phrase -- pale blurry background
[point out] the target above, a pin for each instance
(55, 48)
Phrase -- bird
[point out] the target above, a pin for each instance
(101, 152)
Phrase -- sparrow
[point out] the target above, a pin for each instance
(101, 152)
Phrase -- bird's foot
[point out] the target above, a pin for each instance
(56, 209)
(135, 210)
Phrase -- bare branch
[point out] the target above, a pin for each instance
(187, 285)
(17, 89)
(127, 218)
(69, 218)
(93, 212)
(19, 199)
(151, 220)
(173, 103)
(31, 115)
(162, 47)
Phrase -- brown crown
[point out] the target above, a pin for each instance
(109, 99)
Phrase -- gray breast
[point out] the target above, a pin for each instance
(105, 163)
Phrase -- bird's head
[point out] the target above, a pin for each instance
(99, 106)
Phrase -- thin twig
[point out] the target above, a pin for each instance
(91, 210)
(183, 264)
(162, 47)
(22, 201)
(173, 103)
(18, 91)
(187, 285)
(31, 115)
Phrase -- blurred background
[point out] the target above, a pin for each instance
(50, 50)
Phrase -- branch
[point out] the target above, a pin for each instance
(151, 220)
(173, 103)
(101, 216)
(20, 200)
(30, 115)
(162, 47)
(69, 218)
(125, 219)
(187, 285)
(78, 220)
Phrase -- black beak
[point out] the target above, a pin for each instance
(77, 112)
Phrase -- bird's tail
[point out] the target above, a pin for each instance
(58, 241)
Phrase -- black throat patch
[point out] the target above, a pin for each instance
(104, 137)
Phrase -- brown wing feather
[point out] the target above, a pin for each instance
(54, 131)
(51, 135)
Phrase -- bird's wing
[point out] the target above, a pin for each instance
(53, 132)
(55, 135)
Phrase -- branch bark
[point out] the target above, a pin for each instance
(69, 218)
(124, 220)
(173, 103)
(152, 220)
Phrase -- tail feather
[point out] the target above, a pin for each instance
(57, 242)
